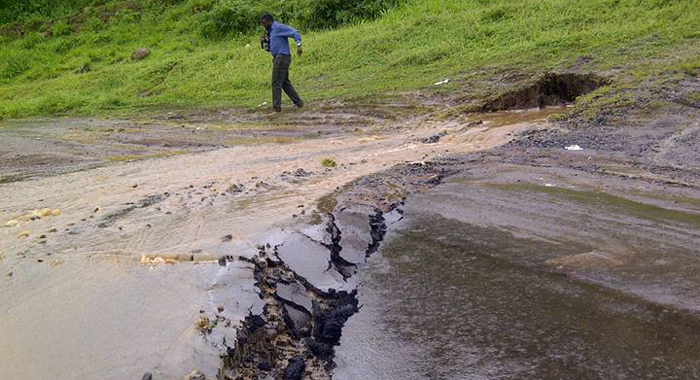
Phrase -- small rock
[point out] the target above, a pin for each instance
(140, 54)
(96, 209)
(195, 375)
(265, 365)
(23, 234)
(227, 238)
(147, 376)
(295, 369)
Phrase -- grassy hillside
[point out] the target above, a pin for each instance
(80, 63)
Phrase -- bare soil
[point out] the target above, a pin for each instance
(196, 236)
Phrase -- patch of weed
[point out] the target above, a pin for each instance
(328, 163)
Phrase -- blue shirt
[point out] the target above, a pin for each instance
(279, 38)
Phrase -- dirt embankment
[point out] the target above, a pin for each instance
(307, 280)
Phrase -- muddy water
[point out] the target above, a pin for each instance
(106, 272)
(514, 271)
(449, 300)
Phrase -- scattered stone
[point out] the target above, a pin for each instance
(235, 188)
(96, 209)
(23, 234)
(324, 351)
(227, 238)
(147, 376)
(434, 138)
(12, 223)
(329, 325)
(295, 369)
(140, 54)
(255, 322)
(135, 186)
(302, 173)
(265, 365)
(196, 375)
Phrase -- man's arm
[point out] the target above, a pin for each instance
(288, 31)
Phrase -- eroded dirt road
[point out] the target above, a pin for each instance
(479, 247)
(112, 268)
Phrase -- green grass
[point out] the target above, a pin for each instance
(328, 163)
(86, 69)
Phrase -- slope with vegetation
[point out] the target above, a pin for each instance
(74, 56)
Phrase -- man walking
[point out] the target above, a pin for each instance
(276, 41)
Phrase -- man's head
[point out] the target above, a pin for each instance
(266, 20)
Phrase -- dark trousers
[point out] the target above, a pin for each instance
(280, 81)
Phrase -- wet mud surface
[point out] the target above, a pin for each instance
(473, 303)
(532, 261)
(102, 260)
(477, 247)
